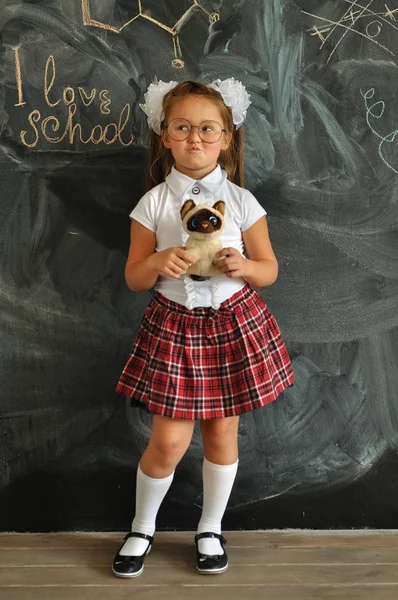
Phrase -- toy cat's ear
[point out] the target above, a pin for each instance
(220, 206)
(186, 207)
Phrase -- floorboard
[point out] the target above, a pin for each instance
(276, 565)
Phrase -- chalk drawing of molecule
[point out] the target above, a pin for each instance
(174, 30)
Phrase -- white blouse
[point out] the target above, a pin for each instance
(159, 211)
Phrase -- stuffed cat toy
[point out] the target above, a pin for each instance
(204, 225)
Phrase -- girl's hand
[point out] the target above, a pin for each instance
(231, 262)
(172, 261)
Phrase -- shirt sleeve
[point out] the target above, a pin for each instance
(252, 210)
(145, 212)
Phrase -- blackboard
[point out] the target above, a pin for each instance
(321, 157)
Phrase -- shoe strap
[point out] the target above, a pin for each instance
(139, 535)
(210, 534)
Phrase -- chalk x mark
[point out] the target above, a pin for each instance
(350, 28)
(381, 16)
(390, 13)
(340, 24)
(337, 23)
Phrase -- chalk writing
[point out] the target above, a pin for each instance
(350, 18)
(177, 62)
(376, 111)
(50, 125)
(18, 77)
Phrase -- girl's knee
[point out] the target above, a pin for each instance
(169, 441)
(170, 446)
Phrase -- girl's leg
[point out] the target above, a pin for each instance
(169, 441)
(220, 441)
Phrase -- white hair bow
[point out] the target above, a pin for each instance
(233, 93)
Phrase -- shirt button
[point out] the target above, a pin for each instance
(195, 190)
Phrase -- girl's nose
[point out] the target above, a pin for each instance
(194, 135)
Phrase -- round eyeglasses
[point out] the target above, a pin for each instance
(208, 131)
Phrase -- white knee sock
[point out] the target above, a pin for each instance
(217, 485)
(149, 496)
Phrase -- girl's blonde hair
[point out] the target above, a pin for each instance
(160, 158)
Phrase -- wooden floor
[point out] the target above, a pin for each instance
(269, 565)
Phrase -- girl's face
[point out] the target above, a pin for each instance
(193, 156)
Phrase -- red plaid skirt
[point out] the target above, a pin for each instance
(205, 363)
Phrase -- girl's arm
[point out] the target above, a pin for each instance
(261, 267)
(144, 265)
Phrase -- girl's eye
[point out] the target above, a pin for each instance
(194, 223)
(182, 128)
(207, 128)
(213, 220)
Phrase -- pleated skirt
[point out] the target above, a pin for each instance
(205, 363)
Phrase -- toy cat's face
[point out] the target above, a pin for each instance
(204, 220)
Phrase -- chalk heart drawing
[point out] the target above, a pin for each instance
(141, 11)
(376, 111)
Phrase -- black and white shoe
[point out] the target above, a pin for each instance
(211, 564)
(131, 566)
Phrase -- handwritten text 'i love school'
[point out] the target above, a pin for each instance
(50, 127)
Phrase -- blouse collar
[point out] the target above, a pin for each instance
(181, 184)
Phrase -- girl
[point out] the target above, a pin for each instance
(207, 349)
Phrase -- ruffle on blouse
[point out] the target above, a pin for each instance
(190, 284)
(190, 293)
